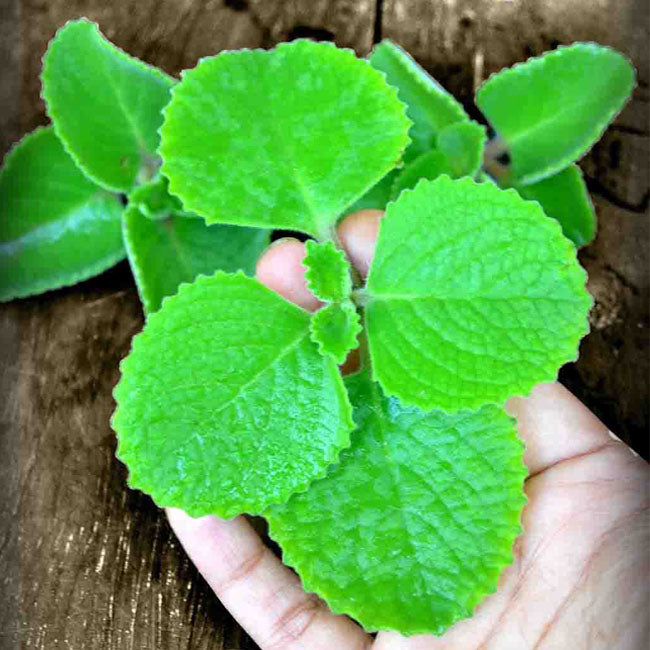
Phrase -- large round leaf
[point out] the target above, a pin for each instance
(414, 525)
(284, 138)
(225, 405)
(473, 296)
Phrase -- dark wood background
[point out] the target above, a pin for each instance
(87, 564)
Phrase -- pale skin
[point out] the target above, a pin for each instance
(580, 575)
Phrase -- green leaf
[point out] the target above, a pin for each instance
(169, 251)
(225, 405)
(463, 144)
(378, 195)
(411, 530)
(335, 329)
(154, 200)
(56, 227)
(105, 105)
(328, 272)
(552, 109)
(564, 197)
(325, 127)
(459, 153)
(473, 296)
(429, 106)
(429, 165)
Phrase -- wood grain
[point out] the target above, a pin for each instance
(88, 564)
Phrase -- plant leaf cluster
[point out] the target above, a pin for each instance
(62, 218)
(396, 492)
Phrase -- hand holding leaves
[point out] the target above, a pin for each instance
(231, 399)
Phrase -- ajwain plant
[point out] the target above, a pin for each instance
(396, 492)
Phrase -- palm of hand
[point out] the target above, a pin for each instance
(579, 579)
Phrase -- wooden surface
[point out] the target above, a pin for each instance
(86, 563)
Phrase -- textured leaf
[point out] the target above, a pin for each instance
(463, 144)
(167, 252)
(328, 272)
(154, 200)
(459, 152)
(56, 226)
(473, 296)
(378, 195)
(225, 405)
(105, 105)
(413, 527)
(429, 106)
(335, 329)
(551, 109)
(429, 165)
(286, 138)
(564, 197)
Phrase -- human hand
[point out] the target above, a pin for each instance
(580, 574)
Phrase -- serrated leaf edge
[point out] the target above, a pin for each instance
(311, 275)
(134, 478)
(570, 257)
(190, 206)
(291, 555)
(52, 114)
(351, 342)
(422, 78)
(597, 131)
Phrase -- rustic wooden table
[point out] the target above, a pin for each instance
(86, 563)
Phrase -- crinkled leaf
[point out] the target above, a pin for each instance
(429, 165)
(412, 528)
(56, 226)
(473, 296)
(169, 251)
(429, 106)
(105, 105)
(378, 195)
(335, 329)
(463, 144)
(564, 197)
(154, 200)
(328, 272)
(225, 405)
(551, 109)
(286, 138)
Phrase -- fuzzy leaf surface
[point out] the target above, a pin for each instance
(335, 328)
(411, 530)
(473, 296)
(225, 405)
(328, 272)
(429, 165)
(463, 144)
(550, 110)
(324, 129)
(378, 195)
(564, 197)
(154, 200)
(56, 226)
(169, 251)
(105, 105)
(429, 106)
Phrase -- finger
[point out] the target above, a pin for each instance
(280, 269)
(258, 590)
(556, 427)
(358, 236)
